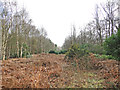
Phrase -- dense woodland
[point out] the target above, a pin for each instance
(104, 25)
(19, 37)
(99, 35)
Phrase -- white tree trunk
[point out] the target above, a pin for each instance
(119, 13)
(17, 48)
(21, 51)
(3, 45)
(17, 42)
(0, 42)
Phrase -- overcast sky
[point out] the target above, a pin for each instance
(57, 16)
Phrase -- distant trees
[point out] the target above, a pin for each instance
(19, 37)
(70, 40)
(118, 13)
(105, 24)
(110, 10)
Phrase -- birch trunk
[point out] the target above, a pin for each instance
(0, 41)
(3, 43)
(21, 51)
(17, 42)
(119, 13)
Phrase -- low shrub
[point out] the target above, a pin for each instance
(104, 56)
(53, 52)
(28, 56)
(75, 51)
(112, 45)
(93, 48)
(25, 50)
(57, 52)
(62, 51)
(13, 56)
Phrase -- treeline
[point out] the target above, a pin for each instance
(19, 37)
(106, 24)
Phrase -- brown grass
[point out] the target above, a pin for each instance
(52, 71)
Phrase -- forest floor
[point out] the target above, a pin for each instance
(52, 71)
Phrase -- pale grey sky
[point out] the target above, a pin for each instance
(57, 16)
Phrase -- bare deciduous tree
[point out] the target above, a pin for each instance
(19, 36)
(6, 23)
